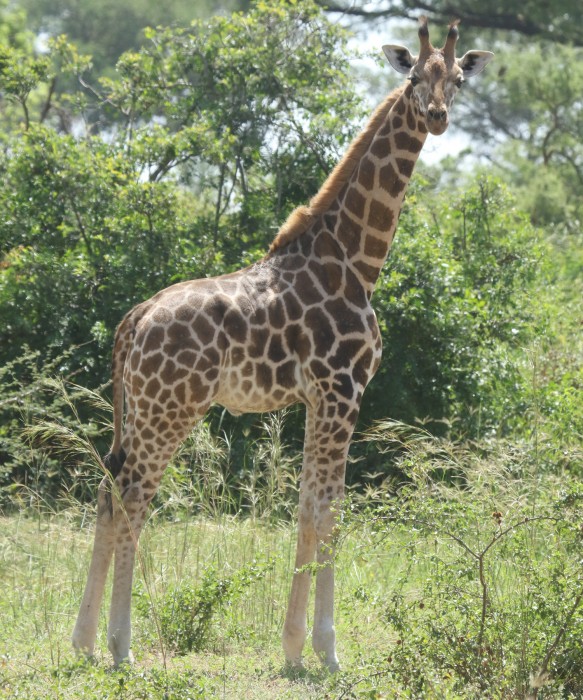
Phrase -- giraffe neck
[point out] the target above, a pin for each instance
(364, 216)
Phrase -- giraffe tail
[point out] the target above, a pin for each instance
(124, 337)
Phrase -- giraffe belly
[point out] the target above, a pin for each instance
(237, 409)
(257, 392)
(255, 401)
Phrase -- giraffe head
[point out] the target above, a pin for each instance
(436, 75)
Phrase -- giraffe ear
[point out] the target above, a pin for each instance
(474, 62)
(400, 58)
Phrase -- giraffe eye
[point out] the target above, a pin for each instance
(459, 82)
(414, 79)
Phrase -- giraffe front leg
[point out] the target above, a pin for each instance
(324, 632)
(85, 631)
(295, 629)
(332, 443)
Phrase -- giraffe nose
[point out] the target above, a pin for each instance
(437, 113)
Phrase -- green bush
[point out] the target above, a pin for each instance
(455, 304)
(203, 160)
(47, 451)
(488, 599)
(186, 618)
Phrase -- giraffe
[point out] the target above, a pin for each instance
(296, 326)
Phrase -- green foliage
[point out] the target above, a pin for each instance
(184, 163)
(187, 614)
(84, 239)
(201, 145)
(531, 109)
(108, 29)
(262, 119)
(32, 390)
(488, 600)
(464, 583)
(532, 19)
(92, 226)
(455, 305)
(254, 474)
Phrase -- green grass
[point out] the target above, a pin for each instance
(43, 562)
(408, 591)
(464, 582)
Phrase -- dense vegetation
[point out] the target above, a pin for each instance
(176, 153)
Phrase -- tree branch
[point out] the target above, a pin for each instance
(507, 21)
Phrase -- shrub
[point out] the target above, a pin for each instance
(454, 304)
(489, 600)
(187, 615)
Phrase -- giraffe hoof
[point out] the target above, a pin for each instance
(120, 652)
(330, 661)
(294, 665)
(127, 660)
(82, 647)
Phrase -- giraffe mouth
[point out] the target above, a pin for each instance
(437, 126)
(437, 118)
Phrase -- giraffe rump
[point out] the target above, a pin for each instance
(124, 336)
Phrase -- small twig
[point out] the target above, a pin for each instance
(49, 101)
(350, 687)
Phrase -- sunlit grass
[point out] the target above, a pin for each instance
(385, 569)
(462, 581)
(43, 562)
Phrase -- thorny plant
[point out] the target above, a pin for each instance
(503, 611)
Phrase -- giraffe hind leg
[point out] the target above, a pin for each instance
(295, 628)
(135, 486)
(85, 630)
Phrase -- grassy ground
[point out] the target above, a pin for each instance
(468, 585)
(43, 563)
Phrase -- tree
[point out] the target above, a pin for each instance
(185, 163)
(535, 104)
(555, 21)
(107, 29)
(180, 167)
(207, 124)
(454, 303)
(255, 108)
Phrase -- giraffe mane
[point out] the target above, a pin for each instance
(301, 218)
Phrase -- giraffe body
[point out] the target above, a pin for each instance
(297, 326)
